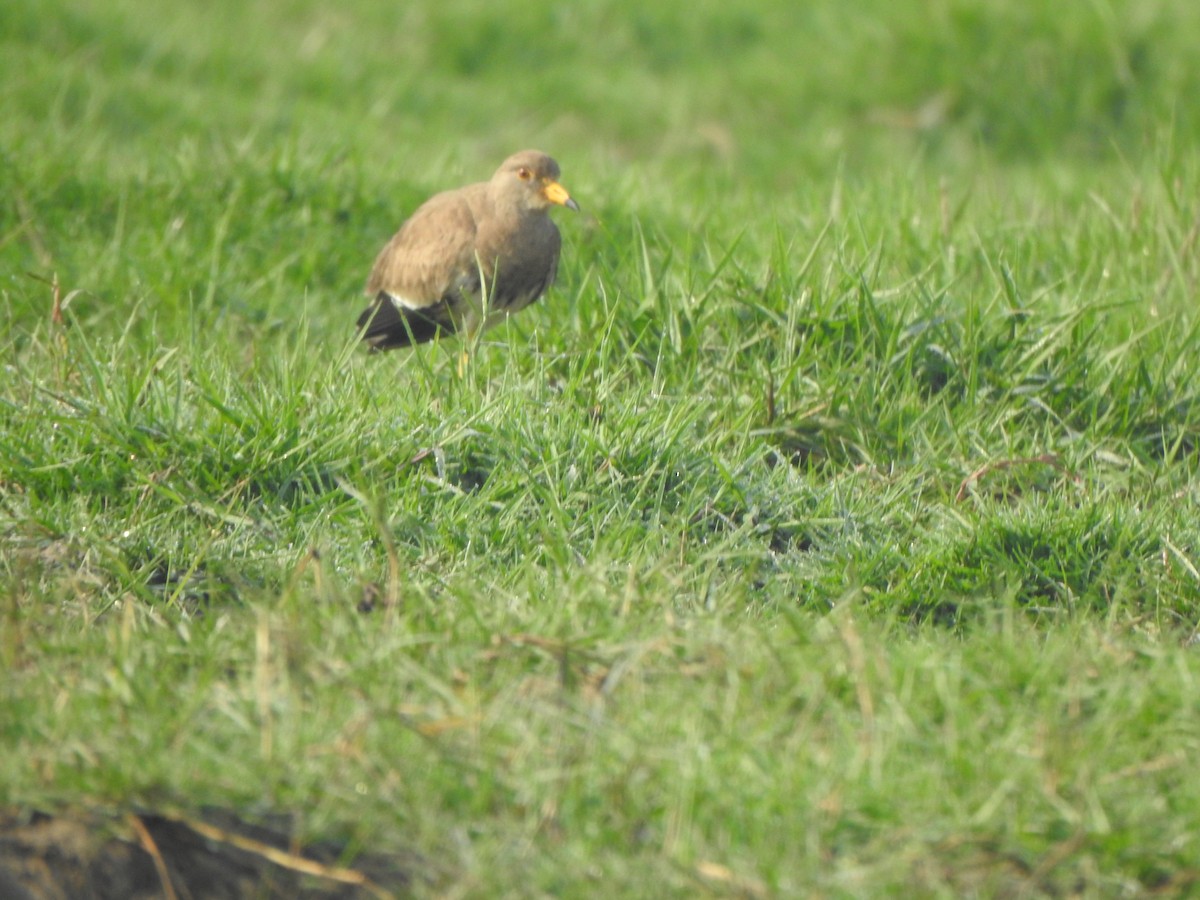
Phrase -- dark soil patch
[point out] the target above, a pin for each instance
(144, 856)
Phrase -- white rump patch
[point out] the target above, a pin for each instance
(404, 302)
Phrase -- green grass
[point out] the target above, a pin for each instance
(831, 528)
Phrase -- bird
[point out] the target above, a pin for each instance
(469, 257)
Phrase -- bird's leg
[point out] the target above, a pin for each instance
(470, 340)
(475, 320)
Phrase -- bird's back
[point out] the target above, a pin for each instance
(432, 250)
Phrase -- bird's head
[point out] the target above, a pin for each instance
(530, 179)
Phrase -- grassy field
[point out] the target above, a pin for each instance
(831, 529)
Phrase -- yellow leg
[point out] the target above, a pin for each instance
(470, 340)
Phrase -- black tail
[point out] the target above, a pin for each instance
(386, 325)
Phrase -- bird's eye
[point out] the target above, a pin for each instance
(524, 174)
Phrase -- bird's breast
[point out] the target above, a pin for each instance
(522, 263)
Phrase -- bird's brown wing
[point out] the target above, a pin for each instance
(424, 274)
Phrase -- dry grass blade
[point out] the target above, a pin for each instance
(149, 845)
(1045, 459)
(283, 858)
